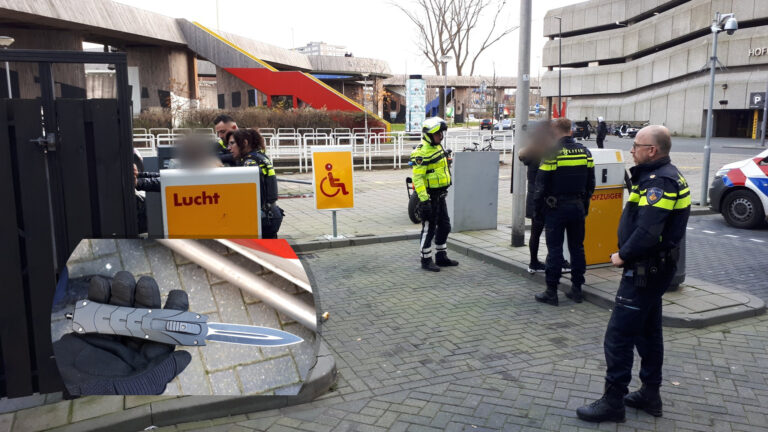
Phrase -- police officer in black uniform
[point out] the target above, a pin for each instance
(223, 124)
(247, 147)
(650, 231)
(564, 185)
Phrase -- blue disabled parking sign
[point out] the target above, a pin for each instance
(537, 108)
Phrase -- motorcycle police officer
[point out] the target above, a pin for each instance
(564, 186)
(650, 231)
(431, 180)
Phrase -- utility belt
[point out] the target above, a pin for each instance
(437, 193)
(653, 265)
(553, 200)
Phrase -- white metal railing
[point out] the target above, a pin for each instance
(375, 142)
(288, 145)
(311, 139)
(167, 140)
(303, 131)
(156, 131)
(144, 143)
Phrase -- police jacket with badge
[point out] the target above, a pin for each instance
(430, 169)
(567, 174)
(272, 214)
(654, 219)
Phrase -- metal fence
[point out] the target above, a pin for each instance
(295, 144)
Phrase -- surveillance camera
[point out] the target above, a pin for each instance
(731, 26)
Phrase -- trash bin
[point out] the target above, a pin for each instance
(473, 200)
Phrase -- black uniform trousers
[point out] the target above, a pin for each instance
(438, 226)
(636, 322)
(271, 219)
(600, 140)
(567, 217)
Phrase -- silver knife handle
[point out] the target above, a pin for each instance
(160, 325)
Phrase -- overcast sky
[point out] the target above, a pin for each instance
(368, 28)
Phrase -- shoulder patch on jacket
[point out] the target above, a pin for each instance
(418, 160)
(654, 195)
(250, 162)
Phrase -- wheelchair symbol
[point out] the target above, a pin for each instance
(333, 182)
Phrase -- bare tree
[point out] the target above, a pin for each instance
(445, 26)
(435, 38)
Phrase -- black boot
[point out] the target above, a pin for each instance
(428, 264)
(575, 294)
(647, 399)
(549, 296)
(441, 259)
(610, 407)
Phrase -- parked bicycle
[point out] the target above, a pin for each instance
(488, 147)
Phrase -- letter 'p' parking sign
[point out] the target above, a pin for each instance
(757, 100)
(211, 203)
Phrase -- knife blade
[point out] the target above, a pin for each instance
(170, 326)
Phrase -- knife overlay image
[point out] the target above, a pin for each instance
(184, 317)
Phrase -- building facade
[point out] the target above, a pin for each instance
(640, 62)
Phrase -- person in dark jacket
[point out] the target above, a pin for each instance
(587, 128)
(541, 140)
(223, 124)
(564, 186)
(650, 231)
(248, 149)
(147, 182)
(602, 131)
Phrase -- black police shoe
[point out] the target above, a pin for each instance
(441, 259)
(428, 264)
(647, 399)
(575, 294)
(610, 407)
(549, 296)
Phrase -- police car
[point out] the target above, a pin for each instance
(740, 191)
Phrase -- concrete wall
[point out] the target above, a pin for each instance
(680, 106)
(673, 63)
(163, 71)
(626, 42)
(69, 79)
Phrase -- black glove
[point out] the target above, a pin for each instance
(425, 210)
(94, 364)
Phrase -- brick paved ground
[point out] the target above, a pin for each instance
(218, 368)
(469, 349)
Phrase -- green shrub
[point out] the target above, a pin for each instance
(261, 117)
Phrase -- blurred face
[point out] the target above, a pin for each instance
(643, 149)
(222, 128)
(438, 137)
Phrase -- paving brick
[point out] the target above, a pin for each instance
(42, 417)
(94, 406)
(260, 377)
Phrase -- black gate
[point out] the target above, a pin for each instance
(66, 174)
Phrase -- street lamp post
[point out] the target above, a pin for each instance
(559, 66)
(445, 59)
(728, 23)
(365, 110)
(5, 42)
